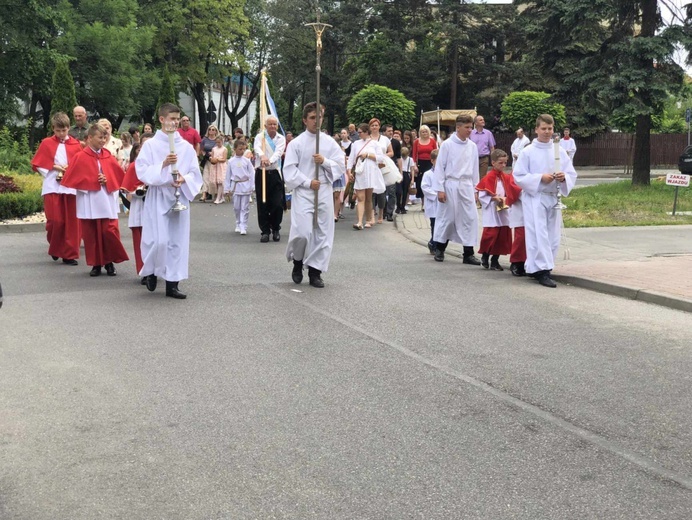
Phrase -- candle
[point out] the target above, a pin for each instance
(171, 144)
(556, 165)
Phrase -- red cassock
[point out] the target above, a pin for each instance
(495, 240)
(518, 253)
(102, 243)
(62, 226)
(131, 183)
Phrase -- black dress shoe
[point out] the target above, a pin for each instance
(264, 238)
(70, 261)
(484, 260)
(431, 247)
(297, 273)
(439, 255)
(390, 218)
(173, 292)
(144, 280)
(546, 281)
(496, 267)
(276, 236)
(516, 270)
(315, 278)
(110, 269)
(151, 282)
(95, 271)
(471, 260)
(55, 258)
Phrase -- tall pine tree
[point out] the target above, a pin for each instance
(63, 97)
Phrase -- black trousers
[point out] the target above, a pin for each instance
(270, 213)
(432, 231)
(423, 166)
(390, 192)
(402, 191)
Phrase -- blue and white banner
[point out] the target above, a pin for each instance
(272, 107)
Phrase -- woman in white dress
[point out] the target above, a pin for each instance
(363, 160)
(385, 145)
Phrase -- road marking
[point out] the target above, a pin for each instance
(589, 436)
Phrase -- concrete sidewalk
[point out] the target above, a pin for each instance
(651, 264)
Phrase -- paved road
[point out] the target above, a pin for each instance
(405, 389)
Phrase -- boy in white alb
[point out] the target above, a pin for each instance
(309, 243)
(430, 208)
(568, 144)
(166, 233)
(540, 173)
(240, 183)
(455, 178)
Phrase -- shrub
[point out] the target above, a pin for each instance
(15, 154)
(28, 200)
(388, 105)
(17, 205)
(7, 185)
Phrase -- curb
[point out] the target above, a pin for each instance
(36, 227)
(622, 291)
(23, 228)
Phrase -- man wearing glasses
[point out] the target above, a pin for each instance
(190, 134)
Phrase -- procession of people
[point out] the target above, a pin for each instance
(86, 170)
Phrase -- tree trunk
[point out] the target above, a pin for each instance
(198, 94)
(641, 171)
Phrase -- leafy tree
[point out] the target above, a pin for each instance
(520, 110)
(388, 105)
(64, 98)
(612, 57)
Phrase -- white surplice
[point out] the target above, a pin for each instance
(456, 173)
(542, 222)
(307, 242)
(490, 217)
(426, 186)
(50, 177)
(165, 233)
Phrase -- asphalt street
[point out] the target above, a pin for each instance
(404, 389)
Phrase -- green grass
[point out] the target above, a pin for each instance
(621, 204)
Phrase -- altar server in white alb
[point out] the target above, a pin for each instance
(310, 245)
(542, 169)
(569, 145)
(454, 178)
(165, 233)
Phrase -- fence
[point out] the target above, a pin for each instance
(615, 149)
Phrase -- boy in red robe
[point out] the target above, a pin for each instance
(59, 203)
(493, 190)
(97, 177)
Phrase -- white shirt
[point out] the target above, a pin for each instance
(275, 156)
(569, 146)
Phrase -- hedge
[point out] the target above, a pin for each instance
(18, 205)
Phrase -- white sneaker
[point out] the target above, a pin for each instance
(243, 232)
(237, 229)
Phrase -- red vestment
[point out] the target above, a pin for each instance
(102, 243)
(130, 181)
(495, 240)
(62, 225)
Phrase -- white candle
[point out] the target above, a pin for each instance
(556, 165)
(171, 143)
